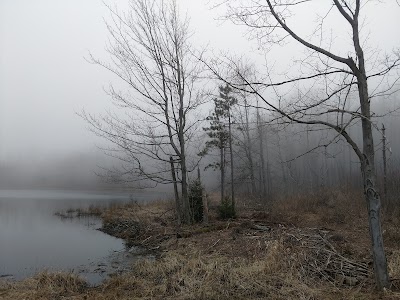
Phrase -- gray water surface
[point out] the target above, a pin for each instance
(33, 238)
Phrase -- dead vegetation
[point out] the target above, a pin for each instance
(291, 251)
(91, 211)
(45, 285)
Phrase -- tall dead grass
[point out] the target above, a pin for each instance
(213, 277)
(45, 285)
(323, 206)
(394, 265)
(195, 276)
(141, 212)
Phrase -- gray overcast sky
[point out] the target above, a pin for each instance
(44, 78)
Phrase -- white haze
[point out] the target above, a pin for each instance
(45, 79)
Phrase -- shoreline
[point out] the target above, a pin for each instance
(268, 255)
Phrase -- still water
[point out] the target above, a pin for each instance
(33, 239)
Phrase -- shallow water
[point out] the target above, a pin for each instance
(33, 239)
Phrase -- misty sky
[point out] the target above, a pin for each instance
(45, 80)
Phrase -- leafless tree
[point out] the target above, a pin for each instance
(244, 137)
(264, 174)
(150, 52)
(329, 78)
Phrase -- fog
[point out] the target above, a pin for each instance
(45, 80)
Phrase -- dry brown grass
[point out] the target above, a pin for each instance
(45, 285)
(145, 224)
(319, 208)
(211, 277)
(197, 276)
(146, 213)
(260, 255)
(394, 268)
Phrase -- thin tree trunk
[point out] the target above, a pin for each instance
(177, 200)
(232, 164)
(285, 181)
(249, 147)
(184, 183)
(384, 162)
(185, 195)
(269, 178)
(261, 144)
(204, 200)
(222, 169)
(308, 161)
(181, 129)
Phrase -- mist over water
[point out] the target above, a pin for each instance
(33, 239)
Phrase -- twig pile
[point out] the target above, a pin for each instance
(121, 227)
(323, 261)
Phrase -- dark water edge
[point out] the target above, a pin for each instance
(34, 239)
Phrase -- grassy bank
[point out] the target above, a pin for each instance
(305, 247)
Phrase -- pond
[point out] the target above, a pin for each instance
(33, 238)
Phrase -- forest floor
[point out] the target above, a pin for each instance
(304, 247)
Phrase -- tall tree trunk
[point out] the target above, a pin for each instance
(263, 176)
(384, 162)
(269, 177)
(249, 147)
(374, 218)
(204, 200)
(371, 193)
(285, 187)
(232, 164)
(180, 79)
(177, 200)
(185, 194)
(184, 183)
(368, 170)
(222, 169)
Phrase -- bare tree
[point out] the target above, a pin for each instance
(264, 176)
(150, 52)
(328, 80)
(244, 137)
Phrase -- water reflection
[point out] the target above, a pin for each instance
(32, 238)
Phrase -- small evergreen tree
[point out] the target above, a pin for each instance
(220, 134)
(226, 210)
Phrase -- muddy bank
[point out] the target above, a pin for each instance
(144, 226)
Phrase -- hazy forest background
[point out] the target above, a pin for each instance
(308, 110)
